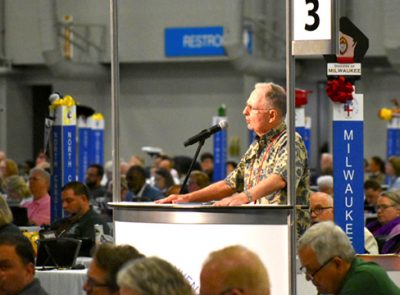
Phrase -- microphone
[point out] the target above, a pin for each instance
(206, 133)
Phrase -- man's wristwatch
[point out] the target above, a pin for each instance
(249, 196)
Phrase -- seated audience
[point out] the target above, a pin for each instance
(94, 175)
(387, 228)
(139, 190)
(376, 168)
(175, 189)
(393, 172)
(163, 180)
(107, 260)
(321, 209)
(3, 155)
(17, 261)
(6, 218)
(182, 165)
(39, 206)
(328, 260)
(124, 188)
(325, 184)
(168, 164)
(42, 161)
(326, 164)
(124, 167)
(234, 270)
(152, 276)
(207, 164)
(82, 219)
(17, 190)
(230, 166)
(372, 191)
(197, 180)
(136, 160)
(7, 168)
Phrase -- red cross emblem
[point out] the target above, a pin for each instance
(347, 108)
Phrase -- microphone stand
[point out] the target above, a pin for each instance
(201, 143)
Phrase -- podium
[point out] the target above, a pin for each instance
(184, 234)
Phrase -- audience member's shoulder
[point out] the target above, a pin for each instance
(10, 229)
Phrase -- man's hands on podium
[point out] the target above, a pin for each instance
(174, 199)
(235, 200)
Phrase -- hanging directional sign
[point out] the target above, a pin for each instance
(314, 27)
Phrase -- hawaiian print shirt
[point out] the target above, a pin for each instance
(268, 155)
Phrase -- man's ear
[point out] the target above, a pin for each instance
(30, 268)
(338, 262)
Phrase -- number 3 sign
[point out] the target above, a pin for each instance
(314, 20)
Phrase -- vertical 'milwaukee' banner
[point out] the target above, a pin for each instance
(63, 151)
(343, 70)
(348, 175)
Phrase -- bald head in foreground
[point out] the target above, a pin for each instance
(234, 270)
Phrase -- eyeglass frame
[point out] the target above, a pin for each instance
(312, 275)
(383, 207)
(251, 109)
(320, 209)
(226, 291)
(91, 283)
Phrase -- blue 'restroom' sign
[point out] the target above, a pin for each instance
(202, 41)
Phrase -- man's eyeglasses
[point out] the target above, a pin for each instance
(311, 276)
(383, 207)
(319, 210)
(250, 109)
(228, 291)
(91, 284)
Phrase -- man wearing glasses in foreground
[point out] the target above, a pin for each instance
(328, 260)
(108, 259)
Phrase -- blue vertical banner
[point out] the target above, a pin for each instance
(393, 138)
(300, 122)
(63, 151)
(96, 123)
(220, 140)
(348, 170)
(307, 135)
(83, 147)
(252, 136)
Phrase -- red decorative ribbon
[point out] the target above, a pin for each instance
(339, 90)
(301, 97)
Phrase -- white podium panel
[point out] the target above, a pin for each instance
(185, 234)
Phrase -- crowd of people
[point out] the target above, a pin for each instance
(260, 177)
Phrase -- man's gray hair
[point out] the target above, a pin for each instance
(327, 240)
(276, 94)
(42, 172)
(153, 276)
(325, 181)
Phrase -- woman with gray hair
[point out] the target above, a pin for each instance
(6, 218)
(386, 229)
(152, 276)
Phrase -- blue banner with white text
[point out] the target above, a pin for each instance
(220, 150)
(198, 41)
(348, 158)
(84, 152)
(64, 165)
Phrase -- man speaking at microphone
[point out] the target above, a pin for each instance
(261, 175)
